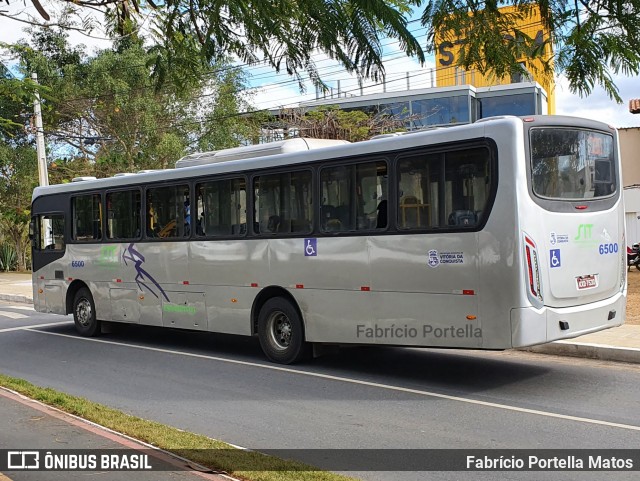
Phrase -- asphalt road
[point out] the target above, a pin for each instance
(357, 398)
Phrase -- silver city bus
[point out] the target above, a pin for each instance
(504, 233)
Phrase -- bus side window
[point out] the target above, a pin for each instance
(168, 212)
(222, 207)
(467, 185)
(123, 214)
(50, 232)
(86, 220)
(418, 178)
(354, 197)
(283, 202)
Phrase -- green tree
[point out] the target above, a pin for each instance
(108, 109)
(285, 34)
(17, 181)
(223, 126)
(15, 93)
(331, 122)
(18, 170)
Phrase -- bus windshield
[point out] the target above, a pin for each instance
(571, 164)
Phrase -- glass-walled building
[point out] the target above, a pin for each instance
(422, 107)
(442, 106)
(513, 99)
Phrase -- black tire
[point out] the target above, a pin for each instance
(638, 266)
(84, 314)
(281, 332)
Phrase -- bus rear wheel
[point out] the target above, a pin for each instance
(281, 332)
(84, 314)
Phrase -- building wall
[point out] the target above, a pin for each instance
(448, 51)
(629, 139)
(630, 155)
(632, 214)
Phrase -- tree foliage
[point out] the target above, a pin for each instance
(109, 110)
(17, 181)
(592, 40)
(283, 33)
(331, 122)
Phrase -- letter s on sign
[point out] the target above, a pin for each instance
(446, 54)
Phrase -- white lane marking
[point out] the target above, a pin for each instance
(21, 308)
(23, 328)
(12, 315)
(388, 387)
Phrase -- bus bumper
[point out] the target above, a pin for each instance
(530, 326)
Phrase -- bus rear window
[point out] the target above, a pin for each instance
(571, 164)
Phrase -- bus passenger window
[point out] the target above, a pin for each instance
(418, 186)
(354, 197)
(467, 185)
(168, 212)
(222, 207)
(443, 189)
(283, 203)
(123, 214)
(87, 218)
(50, 232)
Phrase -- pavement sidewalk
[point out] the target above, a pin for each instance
(29, 425)
(620, 344)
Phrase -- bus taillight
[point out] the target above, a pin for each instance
(533, 289)
(623, 263)
(534, 292)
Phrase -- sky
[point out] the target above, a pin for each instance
(271, 90)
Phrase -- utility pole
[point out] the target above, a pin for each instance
(42, 156)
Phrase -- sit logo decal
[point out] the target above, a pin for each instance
(554, 258)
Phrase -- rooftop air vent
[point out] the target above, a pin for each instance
(83, 179)
(259, 150)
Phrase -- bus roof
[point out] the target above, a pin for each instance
(396, 142)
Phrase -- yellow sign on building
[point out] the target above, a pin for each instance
(448, 49)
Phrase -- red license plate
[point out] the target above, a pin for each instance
(587, 282)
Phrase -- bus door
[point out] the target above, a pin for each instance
(47, 248)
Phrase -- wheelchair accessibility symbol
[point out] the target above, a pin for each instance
(310, 248)
(554, 257)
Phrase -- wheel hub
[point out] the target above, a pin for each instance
(280, 330)
(83, 312)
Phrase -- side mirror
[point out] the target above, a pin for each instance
(32, 229)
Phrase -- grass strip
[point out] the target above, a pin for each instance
(195, 447)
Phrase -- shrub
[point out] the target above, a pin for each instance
(8, 258)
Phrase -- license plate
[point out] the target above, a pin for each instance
(587, 282)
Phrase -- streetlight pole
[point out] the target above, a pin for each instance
(42, 156)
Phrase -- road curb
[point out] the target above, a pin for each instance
(588, 350)
(16, 298)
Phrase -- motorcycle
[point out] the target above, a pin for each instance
(633, 256)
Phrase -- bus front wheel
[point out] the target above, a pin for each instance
(84, 314)
(281, 332)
